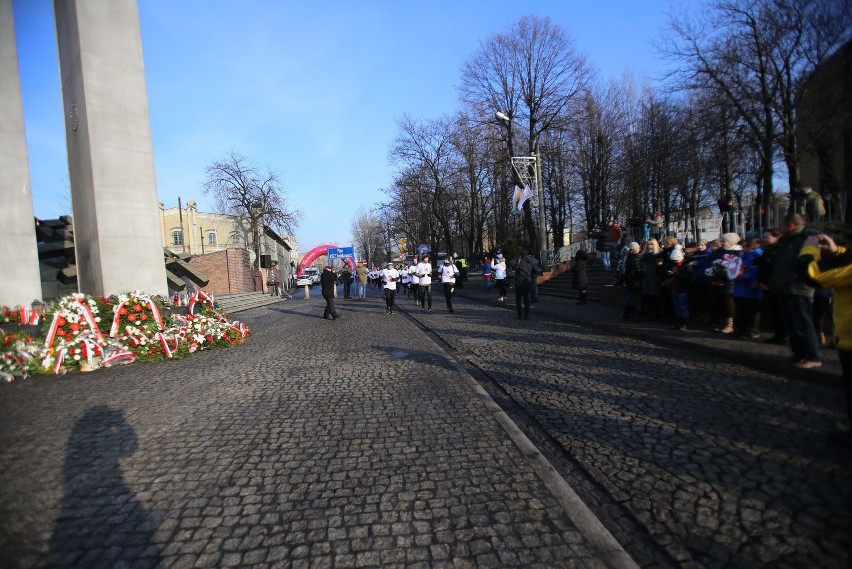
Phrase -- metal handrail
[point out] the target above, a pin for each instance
(568, 252)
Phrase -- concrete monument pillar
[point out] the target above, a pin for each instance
(110, 157)
(21, 282)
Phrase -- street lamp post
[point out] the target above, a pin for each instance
(542, 228)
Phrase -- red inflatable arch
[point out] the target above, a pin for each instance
(316, 252)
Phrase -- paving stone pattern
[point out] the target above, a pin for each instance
(353, 443)
(711, 463)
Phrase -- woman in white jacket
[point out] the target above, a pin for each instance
(500, 275)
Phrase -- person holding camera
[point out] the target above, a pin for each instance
(328, 282)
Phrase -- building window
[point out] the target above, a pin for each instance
(235, 237)
(211, 238)
(177, 237)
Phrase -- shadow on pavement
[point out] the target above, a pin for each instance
(101, 521)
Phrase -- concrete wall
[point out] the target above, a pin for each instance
(110, 157)
(229, 271)
(21, 282)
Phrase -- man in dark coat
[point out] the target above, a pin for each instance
(523, 275)
(631, 279)
(328, 282)
(579, 279)
(795, 297)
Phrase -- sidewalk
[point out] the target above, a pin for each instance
(756, 354)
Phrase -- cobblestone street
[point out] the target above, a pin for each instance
(355, 443)
(363, 442)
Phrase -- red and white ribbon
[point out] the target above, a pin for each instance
(54, 325)
(90, 319)
(197, 297)
(118, 355)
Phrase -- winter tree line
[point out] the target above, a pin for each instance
(724, 125)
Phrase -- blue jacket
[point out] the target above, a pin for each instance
(748, 285)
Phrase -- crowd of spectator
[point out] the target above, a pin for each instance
(795, 276)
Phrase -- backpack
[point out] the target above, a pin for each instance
(524, 270)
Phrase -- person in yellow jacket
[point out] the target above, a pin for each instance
(828, 265)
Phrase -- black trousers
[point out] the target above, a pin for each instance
(522, 294)
(448, 294)
(798, 316)
(846, 366)
(390, 298)
(746, 311)
(501, 287)
(424, 293)
(330, 310)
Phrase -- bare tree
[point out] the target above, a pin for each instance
(257, 198)
(426, 154)
(531, 74)
(475, 201)
(600, 127)
(367, 233)
(757, 53)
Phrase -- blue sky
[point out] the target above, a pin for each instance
(311, 90)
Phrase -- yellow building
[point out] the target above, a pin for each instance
(197, 233)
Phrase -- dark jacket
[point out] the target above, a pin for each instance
(785, 275)
(651, 264)
(603, 243)
(579, 279)
(632, 275)
(328, 279)
(766, 263)
(525, 269)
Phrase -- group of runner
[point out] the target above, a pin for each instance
(415, 282)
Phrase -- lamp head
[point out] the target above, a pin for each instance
(502, 116)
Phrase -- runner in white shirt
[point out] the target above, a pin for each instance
(448, 272)
(404, 280)
(389, 278)
(424, 287)
(412, 288)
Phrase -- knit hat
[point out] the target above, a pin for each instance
(633, 246)
(676, 254)
(731, 238)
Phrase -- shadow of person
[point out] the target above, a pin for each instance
(101, 522)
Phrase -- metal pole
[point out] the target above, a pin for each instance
(542, 228)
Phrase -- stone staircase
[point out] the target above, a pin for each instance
(239, 301)
(599, 279)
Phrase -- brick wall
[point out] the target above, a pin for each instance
(228, 271)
